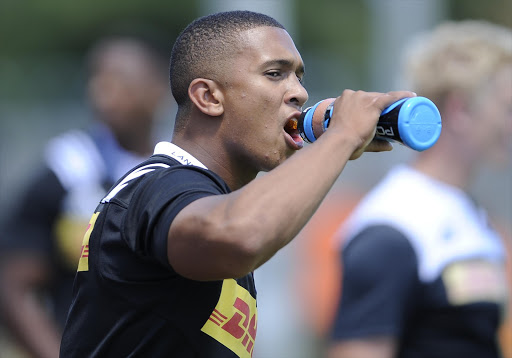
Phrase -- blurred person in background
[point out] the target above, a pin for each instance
(41, 243)
(423, 268)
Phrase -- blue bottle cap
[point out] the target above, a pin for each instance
(309, 135)
(419, 123)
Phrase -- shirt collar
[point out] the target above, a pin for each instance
(175, 152)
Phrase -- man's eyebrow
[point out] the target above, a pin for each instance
(284, 63)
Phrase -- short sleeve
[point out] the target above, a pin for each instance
(28, 227)
(154, 207)
(379, 285)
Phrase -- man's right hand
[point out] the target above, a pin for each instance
(355, 116)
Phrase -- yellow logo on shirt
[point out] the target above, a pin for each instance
(83, 263)
(69, 235)
(473, 281)
(234, 320)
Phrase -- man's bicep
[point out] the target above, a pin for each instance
(378, 287)
(155, 206)
(192, 248)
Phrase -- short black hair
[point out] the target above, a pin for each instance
(205, 42)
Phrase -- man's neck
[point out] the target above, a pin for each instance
(448, 168)
(214, 157)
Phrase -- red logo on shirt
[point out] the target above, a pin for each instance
(234, 320)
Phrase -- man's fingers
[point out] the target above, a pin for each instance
(379, 145)
(391, 97)
(376, 145)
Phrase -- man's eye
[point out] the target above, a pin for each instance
(274, 74)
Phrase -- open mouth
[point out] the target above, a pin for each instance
(292, 129)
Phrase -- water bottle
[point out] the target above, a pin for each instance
(414, 122)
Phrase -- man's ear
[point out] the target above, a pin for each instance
(207, 96)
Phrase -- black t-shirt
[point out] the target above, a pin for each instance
(128, 301)
(382, 296)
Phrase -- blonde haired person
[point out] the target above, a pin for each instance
(423, 268)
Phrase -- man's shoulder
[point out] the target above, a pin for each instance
(164, 174)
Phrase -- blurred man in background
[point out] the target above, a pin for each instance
(41, 243)
(423, 268)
